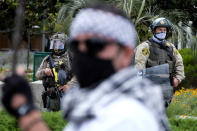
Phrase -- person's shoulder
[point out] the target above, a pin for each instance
(122, 106)
(130, 112)
(144, 44)
(170, 44)
(65, 55)
(175, 50)
(45, 58)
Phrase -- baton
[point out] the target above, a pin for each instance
(16, 37)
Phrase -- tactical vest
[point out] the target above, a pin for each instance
(160, 54)
(48, 81)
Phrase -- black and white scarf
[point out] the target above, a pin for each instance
(81, 104)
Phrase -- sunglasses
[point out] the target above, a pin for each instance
(93, 45)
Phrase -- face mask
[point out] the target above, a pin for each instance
(91, 70)
(161, 35)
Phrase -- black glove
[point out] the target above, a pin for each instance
(17, 85)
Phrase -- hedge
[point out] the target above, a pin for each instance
(190, 68)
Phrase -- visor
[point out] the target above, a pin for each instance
(56, 44)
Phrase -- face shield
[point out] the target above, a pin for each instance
(56, 45)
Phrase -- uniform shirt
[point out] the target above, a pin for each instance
(142, 52)
(64, 58)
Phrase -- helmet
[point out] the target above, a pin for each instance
(58, 43)
(161, 22)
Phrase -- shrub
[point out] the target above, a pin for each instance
(184, 102)
(183, 124)
(190, 68)
(7, 122)
(53, 119)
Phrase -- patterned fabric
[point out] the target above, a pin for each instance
(104, 23)
(81, 104)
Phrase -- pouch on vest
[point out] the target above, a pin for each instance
(151, 63)
(170, 63)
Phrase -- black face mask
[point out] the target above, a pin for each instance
(91, 70)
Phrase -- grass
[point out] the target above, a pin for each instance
(184, 103)
(183, 124)
(53, 120)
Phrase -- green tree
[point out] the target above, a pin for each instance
(142, 13)
(37, 12)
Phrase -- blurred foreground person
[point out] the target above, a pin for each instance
(110, 96)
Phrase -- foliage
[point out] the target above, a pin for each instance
(7, 122)
(183, 103)
(142, 13)
(183, 124)
(53, 120)
(190, 67)
(187, 8)
(40, 12)
(7, 13)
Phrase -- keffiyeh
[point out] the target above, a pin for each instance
(104, 23)
(81, 104)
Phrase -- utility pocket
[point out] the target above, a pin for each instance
(44, 98)
(170, 63)
(151, 63)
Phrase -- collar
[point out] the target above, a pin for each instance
(156, 40)
(162, 43)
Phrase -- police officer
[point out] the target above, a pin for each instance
(61, 60)
(156, 51)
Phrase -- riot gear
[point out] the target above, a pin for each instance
(161, 22)
(58, 43)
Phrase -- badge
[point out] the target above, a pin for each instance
(168, 44)
(145, 51)
(162, 22)
(60, 62)
(176, 52)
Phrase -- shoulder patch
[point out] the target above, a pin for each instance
(176, 52)
(145, 51)
(168, 44)
(60, 62)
